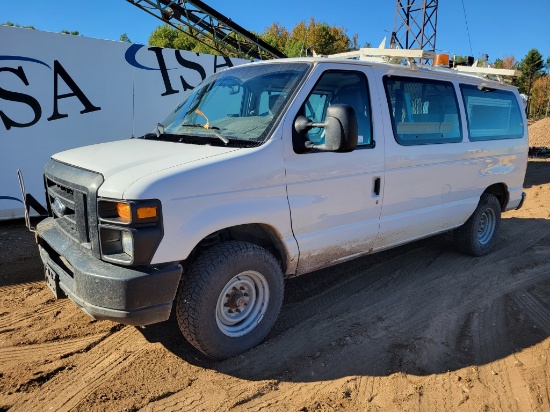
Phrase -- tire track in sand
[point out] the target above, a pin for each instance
(538, 313)
(14, 318)
(16, 355)
(87, 373)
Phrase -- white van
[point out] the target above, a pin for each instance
(274, 169)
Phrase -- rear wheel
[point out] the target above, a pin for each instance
(230, 298)
(478, 235)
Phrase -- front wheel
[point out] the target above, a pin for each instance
(230, 298)
(478, 235)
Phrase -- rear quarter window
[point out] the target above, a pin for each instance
(492, 114)
(423, 111)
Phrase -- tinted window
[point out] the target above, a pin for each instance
(422, 111)
(491, 114)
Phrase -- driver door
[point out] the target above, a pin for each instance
(335, 198)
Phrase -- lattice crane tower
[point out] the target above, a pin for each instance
(415, 25)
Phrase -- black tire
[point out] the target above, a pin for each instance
(478, 235)
(230, 298)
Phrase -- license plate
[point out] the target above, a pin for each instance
(52, 280)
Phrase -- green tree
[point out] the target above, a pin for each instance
(319, 36)
(10, 24)
(294, 48)
(460, 60)
(184, 41)
(163, 36)
(507, 62)
(124, 38)
(167, 36)
(531, 67)
(540, 97)
(74, 32)
(276, 36)
(311, 36)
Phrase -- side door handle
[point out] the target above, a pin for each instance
(376, 186)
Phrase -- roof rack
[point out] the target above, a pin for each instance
(416, 56)
(488, 70)
(385, 55)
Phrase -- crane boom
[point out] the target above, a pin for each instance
(204, 23)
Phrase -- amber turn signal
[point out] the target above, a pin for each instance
(124, 212)
(146, 212)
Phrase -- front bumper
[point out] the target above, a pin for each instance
(104, 290)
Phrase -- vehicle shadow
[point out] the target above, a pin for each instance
(419, 309)
(538, 173)
(19, 258)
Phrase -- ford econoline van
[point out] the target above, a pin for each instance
(271, 170)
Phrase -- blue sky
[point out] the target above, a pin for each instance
(496, 27)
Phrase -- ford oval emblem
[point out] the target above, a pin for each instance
(59, 207)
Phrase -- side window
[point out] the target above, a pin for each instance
(492, 114)
(316, 108)
(423, 111)
(340, 87)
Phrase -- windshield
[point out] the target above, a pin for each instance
(241, 103)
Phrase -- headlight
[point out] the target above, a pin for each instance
(128, 243)
(129, 231)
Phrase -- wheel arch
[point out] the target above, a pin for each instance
(260, 234)
(500, 191)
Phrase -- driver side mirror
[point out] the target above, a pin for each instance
(340, 127)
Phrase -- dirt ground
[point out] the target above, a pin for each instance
(538, 133)
(420, 327)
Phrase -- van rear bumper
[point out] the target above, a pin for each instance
(523, 196)
(517, 198)
(103, 290)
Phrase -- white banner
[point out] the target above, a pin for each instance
(60, 91)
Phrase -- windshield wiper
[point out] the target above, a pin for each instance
(225, 140)
(213, 129)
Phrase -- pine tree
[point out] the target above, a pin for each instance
(531, 67)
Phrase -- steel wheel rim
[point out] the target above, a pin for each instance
(242, 303)
(487, 224)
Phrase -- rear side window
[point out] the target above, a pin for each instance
(423, 111)
(492, 114)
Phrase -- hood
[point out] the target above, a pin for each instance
(137, 157)
(126, 161)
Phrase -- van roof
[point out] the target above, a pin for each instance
(484, 74)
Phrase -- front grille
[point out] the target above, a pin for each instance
(68, 207)
(72, 199)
